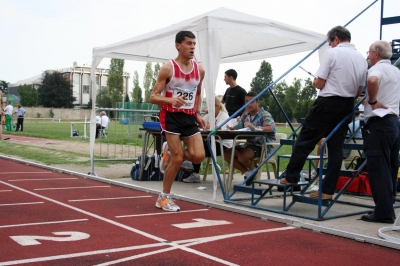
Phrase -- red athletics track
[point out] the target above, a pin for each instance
(49, 218)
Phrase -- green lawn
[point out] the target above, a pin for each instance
(117, 134)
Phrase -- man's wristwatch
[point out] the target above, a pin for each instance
(372, 102)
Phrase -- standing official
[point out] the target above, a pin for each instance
(381, 131)
(340, 78)
(20, 120)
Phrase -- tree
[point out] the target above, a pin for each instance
(29, 95)
(103, 98)
(137, 91)
(155, 75)
(147, 81)
(262, 79)
(292, 98)
(306, 100)
(279, 91)
(55, 91)
(115, 81)
(4, 86)
(127, 100)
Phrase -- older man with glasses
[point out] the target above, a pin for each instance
(381, 131)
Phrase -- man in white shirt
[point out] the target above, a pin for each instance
(104, 120)
(381, 132)
(8, 111)
(340, 78)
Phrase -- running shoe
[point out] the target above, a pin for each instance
(166, 203)
(165, 157)
(187, 165)
(193, 178)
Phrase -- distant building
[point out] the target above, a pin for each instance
(79, 77)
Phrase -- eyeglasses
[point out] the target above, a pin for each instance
(371, 51)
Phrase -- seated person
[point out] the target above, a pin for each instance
(220, 116)
(254, 118)
(104, 120)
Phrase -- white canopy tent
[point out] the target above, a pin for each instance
(223, 36)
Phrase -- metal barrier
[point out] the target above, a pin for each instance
(123, 140)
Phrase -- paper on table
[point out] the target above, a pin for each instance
(381, 112)
(308, 72)
(244, 129)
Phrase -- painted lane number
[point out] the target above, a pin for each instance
(63, 237)
(201, 223)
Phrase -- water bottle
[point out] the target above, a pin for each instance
(156, 159)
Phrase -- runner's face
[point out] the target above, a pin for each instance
(186, 47)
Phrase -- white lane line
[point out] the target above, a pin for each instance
(197, 241)
(101, 218)
(136, 197)
(12, 173)
(55, 188)
(22, 203)
(159, 213)
(5, 190)
(81, 254)
(41, 179)
(43, 223)
(134, 230)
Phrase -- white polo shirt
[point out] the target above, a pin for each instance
(8, 110)
(389, 87)
(344, 70)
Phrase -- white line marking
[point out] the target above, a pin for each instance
(159, 213)
(22, 203)
(155, 238)
(81, 254)
(41, 179)
(5, 190)
(137, 197)
(11, 173)
(43, 223)
(198, 241)
(201, 223)
(55, 188)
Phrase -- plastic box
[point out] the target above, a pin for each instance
(152, 125)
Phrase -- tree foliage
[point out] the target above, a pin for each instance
(55, 91)
(296, 100)
(262, 79)
(147, 81)
(3, 86)
(28, 94)
(115, 81)
(103, 99)
(155, 75)
(137, 91)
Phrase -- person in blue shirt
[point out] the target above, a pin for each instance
(254, 118)
(20, 120)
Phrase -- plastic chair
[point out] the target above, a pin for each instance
(272, 160)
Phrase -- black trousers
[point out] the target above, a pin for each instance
(20, 123)
(381, 147)
(323, 117)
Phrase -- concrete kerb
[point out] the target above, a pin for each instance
(290, 221)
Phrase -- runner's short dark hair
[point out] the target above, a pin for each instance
(180, 36)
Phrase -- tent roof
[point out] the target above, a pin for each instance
(242, 37)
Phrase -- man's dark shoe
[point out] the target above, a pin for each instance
(371, 218)
(250, 181)
(285, 182)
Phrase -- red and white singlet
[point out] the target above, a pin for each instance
(182, 84)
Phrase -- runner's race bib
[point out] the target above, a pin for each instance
(189, 96)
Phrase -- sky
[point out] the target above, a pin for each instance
(37, 35)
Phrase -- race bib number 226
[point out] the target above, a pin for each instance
(189, 95)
